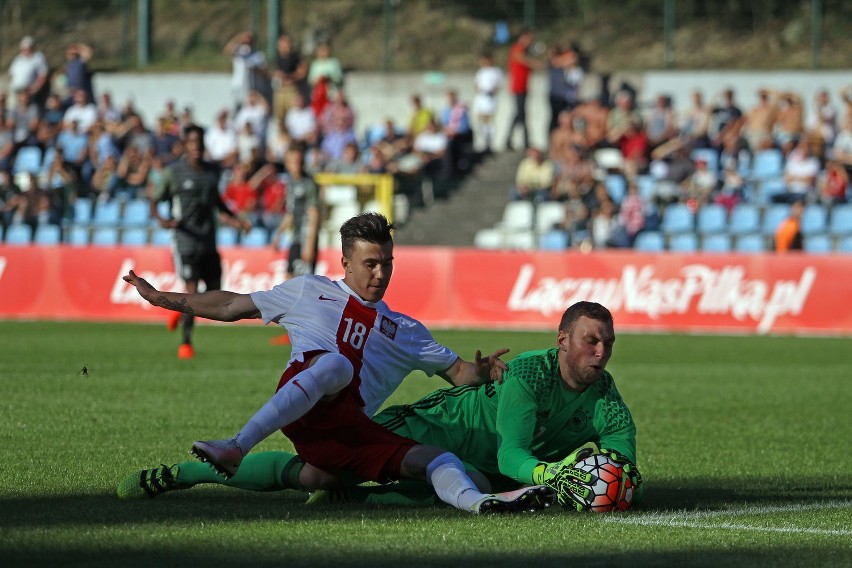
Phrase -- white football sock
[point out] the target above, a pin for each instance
(452, 485)
(330, 374)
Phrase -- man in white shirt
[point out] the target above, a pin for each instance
(488, 82)
(28, 70)
(301, 121)
(83, 111)
(220, 141)
(350, 352)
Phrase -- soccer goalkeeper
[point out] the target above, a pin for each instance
(519, 432)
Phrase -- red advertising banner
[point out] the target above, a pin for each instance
(446, 287)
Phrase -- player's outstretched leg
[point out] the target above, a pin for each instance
(149, 483)
(524, 500)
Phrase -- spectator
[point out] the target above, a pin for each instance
(171, 120)
(757, 127)
(336, 139)
(301, 122)
(732, 190)
(800, 174)
(430, 147)
(833, 185)
(278, 140)
(604, 225)
(28, 70)
(220, 141)
(273, 191)
(50, 124)
(324, 66)
(631, 218)
(696, 123)
(24, 120)
(348, 163)
(788, 235)
(823, 123)
(7, 148)
(456, 124)
(248, 65)
(420, 118)
(376, 162)
(621, 118)
(573, 168)
(592, 118)
(337, 114)
(576, 219)
(82, 111)
(101, 146)
(78, 77)
(131, 174)
(107, 111)
(520, 65)
(635, 148)
(726, 119)
(74, 146)
(841, 151)
(166, 147)
(564, 138)
(62, 183)
(488, 82)
(661, 124)
(534, 177)
(700, 186)
(789, 121)
(240, 194)
(254, 111)
(248, 147)
(289, 76)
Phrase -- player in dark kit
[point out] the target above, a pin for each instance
(192, 187)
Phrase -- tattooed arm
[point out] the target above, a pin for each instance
(216, 305)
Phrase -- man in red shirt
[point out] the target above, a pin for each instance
(520, 66)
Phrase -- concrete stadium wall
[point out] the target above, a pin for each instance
(377, 95)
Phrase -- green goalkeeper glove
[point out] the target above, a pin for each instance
(630, 471)
(570, 484)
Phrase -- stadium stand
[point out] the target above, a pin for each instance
(717, 243)
(712, 218)
(48, 235)
(134, 236)
(750, 243)
(18, 234)
(227, 236)
(650, 241)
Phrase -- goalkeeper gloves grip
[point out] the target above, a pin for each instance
(570, 484)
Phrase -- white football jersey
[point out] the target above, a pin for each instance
(383, 346)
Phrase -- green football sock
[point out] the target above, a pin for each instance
(263, 471)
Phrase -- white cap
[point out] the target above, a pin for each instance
(27, 42)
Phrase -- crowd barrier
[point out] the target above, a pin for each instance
(468, 288)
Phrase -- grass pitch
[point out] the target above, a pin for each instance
(744, 443)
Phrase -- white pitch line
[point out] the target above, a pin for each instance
(725, 526)
(687, 519)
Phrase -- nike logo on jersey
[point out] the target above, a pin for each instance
(322, 297)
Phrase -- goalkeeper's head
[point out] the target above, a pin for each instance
(585, 339)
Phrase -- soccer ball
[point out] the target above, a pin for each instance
(607, 491)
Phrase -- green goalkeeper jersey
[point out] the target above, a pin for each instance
(509, 428)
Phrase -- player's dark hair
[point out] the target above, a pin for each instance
(189, 129)
(370, 227)
(591, 310)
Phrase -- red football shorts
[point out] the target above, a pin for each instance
(337, 435)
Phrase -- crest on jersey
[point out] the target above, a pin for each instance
(387, 327)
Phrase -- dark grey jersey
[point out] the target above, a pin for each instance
(195, 200)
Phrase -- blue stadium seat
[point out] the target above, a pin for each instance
(134, 237)
(718, 242)
(841, 220)
(107, 214)
(137, 213)
(257, 237)
(650, 241)
(78, 236)
(712, 218)
(745, 218)
(47, 159)
(709, 155)
(48, 235)
(773, 216)
(817, 244)
(161, 237)
(814, 220)
(105, 236)
(647, 187)
(164, 208)
(28, 159)
(616, 186)
(18, 234)
(750, 243)
(683, 242)
(845, 245)
(553, 240)
(678, 218)
(767, 164)
(771, 188)
(82, 211)
(227, 236)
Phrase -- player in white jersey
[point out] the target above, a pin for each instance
(350, 352)
(488, 81)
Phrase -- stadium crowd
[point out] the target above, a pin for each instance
(620, 168)
(65, 150)
(623, 174)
